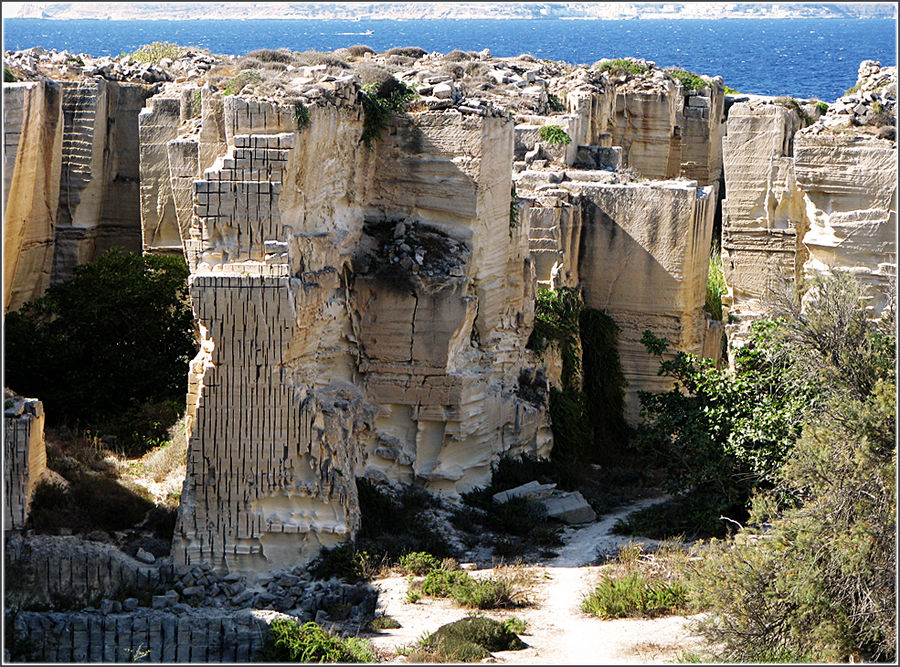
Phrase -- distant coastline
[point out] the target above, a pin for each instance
(417, 11)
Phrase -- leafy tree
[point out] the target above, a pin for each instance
(109, 347)
(720, 435)
(814, 573)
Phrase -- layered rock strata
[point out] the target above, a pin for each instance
(32, 152)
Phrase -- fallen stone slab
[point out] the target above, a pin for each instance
(533, 490)
(569, 507)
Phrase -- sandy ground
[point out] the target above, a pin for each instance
(558, 632)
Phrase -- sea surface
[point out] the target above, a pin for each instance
(798, 57)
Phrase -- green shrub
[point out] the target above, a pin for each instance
(418, 563)
(689, 80)
(515, 625)
(822, 107)
(125, 314)
(378, 109)
(621, 66)
(469, 592)
(237, 83)
(635, 595)
(853, 89)
(731, 91)
(556, 322)
(556, 105)
(345, 562)
(288, 641)
(813, 574)
(8, 76)
(554, 135)
(301, 115)
(155, 52)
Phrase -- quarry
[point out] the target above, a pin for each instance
(367, 236)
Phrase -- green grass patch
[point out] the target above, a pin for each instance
(715, 285)
(731, 91)
(467, 591)
(621, 66)
(635, 595)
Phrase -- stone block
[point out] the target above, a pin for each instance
(569, 508)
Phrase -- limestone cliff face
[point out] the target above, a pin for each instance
(362, 313)
(849, 189)
(763, 215)
(71, 178)
(32, 151)
(805, 201)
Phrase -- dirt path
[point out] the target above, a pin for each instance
(558, 632)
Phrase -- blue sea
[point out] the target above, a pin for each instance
(797, 57)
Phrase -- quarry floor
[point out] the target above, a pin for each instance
(558, 632)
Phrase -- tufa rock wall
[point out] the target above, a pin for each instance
(808, 195)
(361, 314)
(24, 456)
(32, 151)
(71, 178)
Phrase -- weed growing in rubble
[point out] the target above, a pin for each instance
(237, 83)
(157, 51)
(554, 135)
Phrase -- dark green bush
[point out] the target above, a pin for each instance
(621, 66)
(469, 592)
(604, 385)
(288, 641)
(689, 80)
(555, 103)
(109, 348)
(378, 108)
(720, 436)
(468, 640)
(8, 76)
